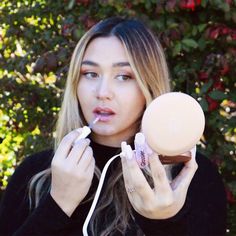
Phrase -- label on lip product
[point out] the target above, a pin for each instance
(141, 150)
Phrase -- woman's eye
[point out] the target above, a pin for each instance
(90, 75)
(124, 77)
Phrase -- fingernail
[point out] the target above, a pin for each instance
(77, 141)
(123, 144)
(78, 130)
(88, 141)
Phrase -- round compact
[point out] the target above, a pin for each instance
(173, 123)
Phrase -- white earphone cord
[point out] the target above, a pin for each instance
(97, 194)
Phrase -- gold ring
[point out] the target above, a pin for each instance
(131, 190)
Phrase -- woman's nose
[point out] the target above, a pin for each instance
(104, 90)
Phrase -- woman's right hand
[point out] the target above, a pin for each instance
(72, 172)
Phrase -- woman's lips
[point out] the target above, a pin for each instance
(105, 114)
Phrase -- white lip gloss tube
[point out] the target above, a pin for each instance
(86, 130)
(141, 152)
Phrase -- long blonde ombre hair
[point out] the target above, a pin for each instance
(148, 63)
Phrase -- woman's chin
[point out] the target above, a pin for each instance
(103, 131)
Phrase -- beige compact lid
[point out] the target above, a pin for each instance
(173, 123)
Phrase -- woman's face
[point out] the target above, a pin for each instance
(108, 89)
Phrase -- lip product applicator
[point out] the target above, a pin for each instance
(86, 130)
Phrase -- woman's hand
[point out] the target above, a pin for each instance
(165, 199)
(72, 172)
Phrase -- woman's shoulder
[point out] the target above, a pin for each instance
(205, 164)
(39, 159)
(31, 165)
(207, 173)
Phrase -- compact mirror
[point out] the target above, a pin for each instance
(173, 123)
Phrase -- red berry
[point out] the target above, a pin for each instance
(212, 104)
(188, 4)
(230, 197)
(203, 75)
(214, 33)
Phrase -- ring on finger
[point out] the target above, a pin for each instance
(130, 189)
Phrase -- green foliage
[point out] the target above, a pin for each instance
(36, 41)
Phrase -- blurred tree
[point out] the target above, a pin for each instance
(36, 41)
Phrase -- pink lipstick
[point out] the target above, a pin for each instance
(104, 113)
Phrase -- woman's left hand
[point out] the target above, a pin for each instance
(165, 199)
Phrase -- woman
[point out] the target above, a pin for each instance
(117, 69)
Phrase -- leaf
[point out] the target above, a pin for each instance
(194, 31)
(204, 104)
(201, 27)
(190, 43)
(217, 95)
(206, 86)
(225, 7)
(177, 49)
(71, 4)
(204, 3)
(202, 43)
(185, 48)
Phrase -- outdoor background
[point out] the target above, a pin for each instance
(36, 41)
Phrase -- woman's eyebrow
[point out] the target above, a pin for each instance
(90, 63)
(117, 64)
(120, 64)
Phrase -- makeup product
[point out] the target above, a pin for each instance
(172, 124)
(141, 152)
(86, 130)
